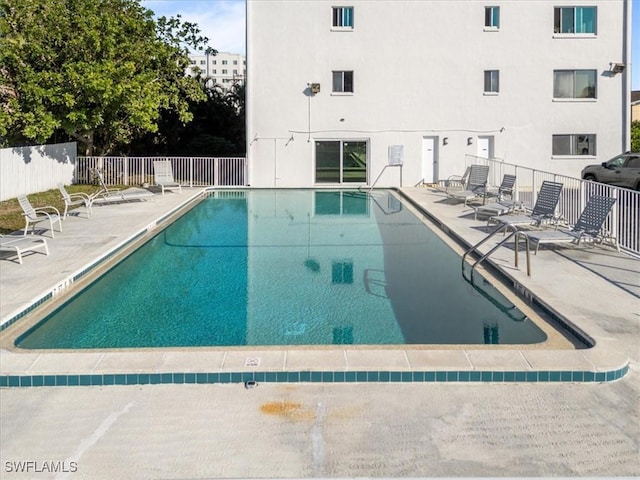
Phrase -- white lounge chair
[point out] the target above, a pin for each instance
(19, 245)
(106, 194)
(163, 176)
(33, 216)
(73, 199)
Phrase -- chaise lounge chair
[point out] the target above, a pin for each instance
(544, 209)
(106, 194)
(589, 226)
(73, 199)
(476, 186)
(163, 176)
(501, 206)
(33, 216)
(19, 245)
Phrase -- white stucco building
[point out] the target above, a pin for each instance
(224, 69)
(332, 85)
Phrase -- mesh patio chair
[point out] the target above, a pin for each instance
(501, 206)
(544, 209)
(588, 227)
(476, 186)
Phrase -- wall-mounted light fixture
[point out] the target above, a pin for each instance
(617, 67)
(445, 141)
(470, 141)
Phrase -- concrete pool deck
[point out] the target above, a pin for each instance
(329, 429)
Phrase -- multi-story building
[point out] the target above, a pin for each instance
(333, 88)
(224, 69)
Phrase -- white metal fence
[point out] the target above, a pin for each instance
(188, 171)
(623, 223)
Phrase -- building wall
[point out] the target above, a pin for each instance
(419, 72)
(220, 73)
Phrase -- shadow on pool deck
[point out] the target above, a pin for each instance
(596, 289)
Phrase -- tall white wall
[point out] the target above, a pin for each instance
(25, 170)
(418, 71)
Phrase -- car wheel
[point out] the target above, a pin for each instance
(590, 177)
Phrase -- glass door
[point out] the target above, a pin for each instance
(341, 161)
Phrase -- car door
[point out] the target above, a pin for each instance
(630, 174)
(612, 173)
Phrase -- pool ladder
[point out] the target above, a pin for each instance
(507, 308)
(514, 233)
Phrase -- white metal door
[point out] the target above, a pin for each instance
(485, 147)
(429, 159)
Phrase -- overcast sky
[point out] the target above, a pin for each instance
(223, 22)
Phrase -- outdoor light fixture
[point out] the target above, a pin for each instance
(470, 141)
(617, 67)
(445, 141)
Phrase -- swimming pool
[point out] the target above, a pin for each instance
(286, 267)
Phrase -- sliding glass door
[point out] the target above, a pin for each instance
(341, 161)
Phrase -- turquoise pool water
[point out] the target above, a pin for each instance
(286, 267)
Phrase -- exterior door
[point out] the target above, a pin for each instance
(485, 147)
(429, 159)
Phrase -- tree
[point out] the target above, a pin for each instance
(635, 136)
(101, 72)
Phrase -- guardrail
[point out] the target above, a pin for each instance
(623, 223)
(188, 171)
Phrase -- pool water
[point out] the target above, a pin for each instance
(286, 267)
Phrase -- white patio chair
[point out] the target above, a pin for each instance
(20, 245)
(34, 216)
(163, 176)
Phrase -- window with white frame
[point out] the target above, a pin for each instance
(342, 18)
(491, 81)
(492, 18)
(575, 20)
(574, 144)
(342, 81)
(574, 83)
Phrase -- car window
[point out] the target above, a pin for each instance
(617, 162)
(634, 162)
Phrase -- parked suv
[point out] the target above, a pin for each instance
(622, 170)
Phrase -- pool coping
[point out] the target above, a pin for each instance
(496, 364)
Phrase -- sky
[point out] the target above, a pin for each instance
(223, 22)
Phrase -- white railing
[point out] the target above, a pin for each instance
(623, 223)
(188, 171)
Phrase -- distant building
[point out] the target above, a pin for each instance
(333, 88)
(224, 69)
(635, 106)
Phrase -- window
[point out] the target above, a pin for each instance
(235, 72)
(574, 84)
(224, 71)
(343, 82)
(491, 81)
(575, 20)
(203, 62)
(235, 62)
(492, 17)
(583, 144)
(342, 17)
(224, 62)
(340, 161)
(215, 71)
(192, 62)
(342, 272)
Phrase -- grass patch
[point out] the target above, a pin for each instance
(11, 218)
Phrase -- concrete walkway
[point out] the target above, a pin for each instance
(331, 430)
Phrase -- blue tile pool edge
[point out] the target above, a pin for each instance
(311, 376)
